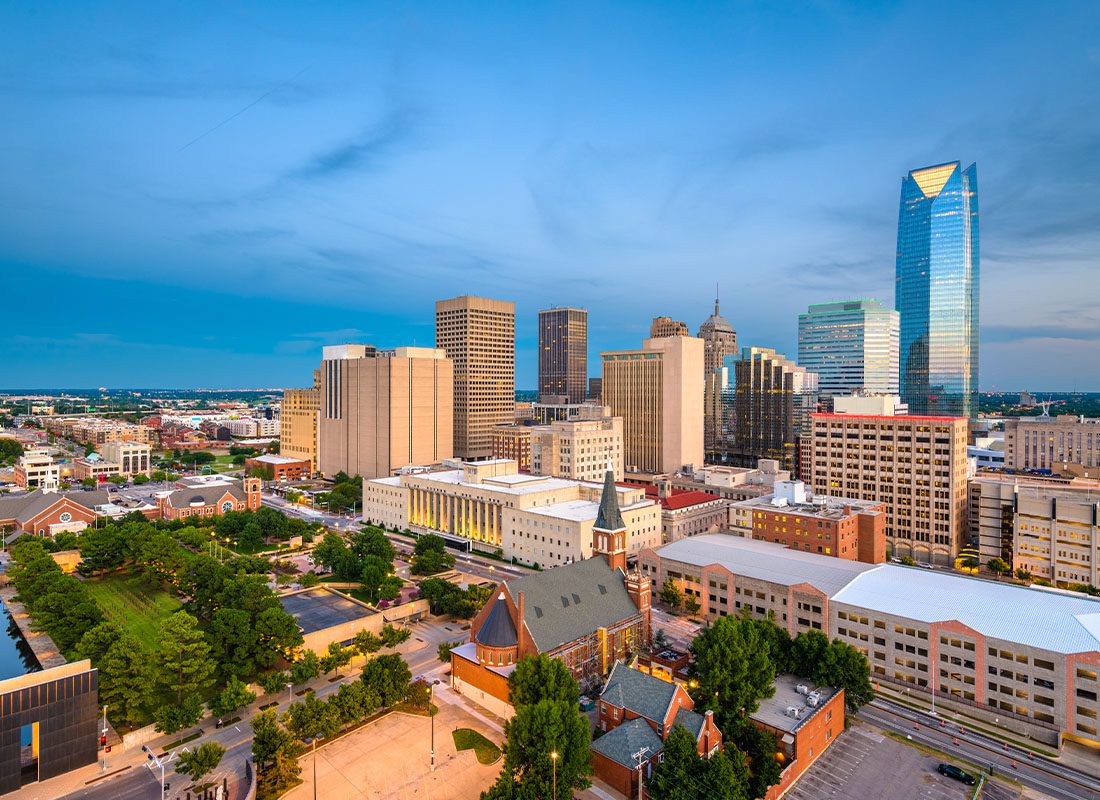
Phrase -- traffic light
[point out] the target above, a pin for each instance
(102, 741)
(144, 748)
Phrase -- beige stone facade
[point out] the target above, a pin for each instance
(36, 469)
(490, 504)
(1055, 535)
(132, 458)
(667, 326)
(383, 410)
(579, 450)
(659, 395)
(916, 466)
(300, 417)
(1054, 443)
(96, 432)
(479, 337)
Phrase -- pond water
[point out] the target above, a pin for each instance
(16, 657)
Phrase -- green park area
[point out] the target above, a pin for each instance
(469, 739)
(133, 605)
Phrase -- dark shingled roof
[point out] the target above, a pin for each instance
(207, 495)
(22, 507)
(621, 743)
(566, 603)
(643, 694)
(690, 720)
(498, 629)
(609, 518)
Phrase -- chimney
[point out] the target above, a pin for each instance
(519, 607)
(708, 726)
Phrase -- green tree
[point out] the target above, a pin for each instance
(372, 541)
(234, 696)
(1023, 574)
(201, 761)
(733, 669)
(312, 717)
(354, 701)
(444, 651)
(759, 747)
(171, 718)
(337, 656)
(691, 605)
(388, 677)
(305, 669)
(366, 643)
(808, 652)
(96, 641)
(392, 635)
(278, 634)
(845, 667)
(269, 738)
(234, 643)
(547, 720)
(126, 680)
(670, 594)
(430, 555)
(184, 657)
(140, 478)
(998, 566)
(972, 563)
(908, 561)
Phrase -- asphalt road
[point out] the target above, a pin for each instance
(136, 783)
(944, 734)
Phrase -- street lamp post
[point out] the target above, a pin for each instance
(431, 697)
(104, 739)
(554, 761)
(289, 694)
(158, 762)
(315, 738)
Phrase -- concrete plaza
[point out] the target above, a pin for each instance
(390, 759)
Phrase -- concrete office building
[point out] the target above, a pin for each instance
(1061, 444)
(841, 527)
(479, 337)
(772, 401)
(595, 389)
(132, 457)
(852, 346)
(545, 413)
(657, 392)
(1024, 658)
(667, 326)
(563, 353)
(915, 466)
(36, 469)
(383, 410)
(580, 450)
(300, 418)
(513, 442)
(491, 505)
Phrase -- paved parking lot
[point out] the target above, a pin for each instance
(866, 764)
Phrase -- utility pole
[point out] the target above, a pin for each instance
(554, 761)
(640, 758)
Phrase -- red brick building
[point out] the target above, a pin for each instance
(805, 721)
(590, 614)
(44, 513)
(637, 712)
(210, 501)
(840, 527)
(282, 468)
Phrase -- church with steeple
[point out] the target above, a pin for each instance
(591, 614)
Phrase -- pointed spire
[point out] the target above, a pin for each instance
(609, 518)
(716, 312)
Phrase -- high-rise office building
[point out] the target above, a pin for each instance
(852, 346)
(300, 415)
(384, 409)
(719, 340)
(772, 401)
(563, 353)
(479, 337)
(937, 290)
(667, 326)
(1064, 444)
(657, 392)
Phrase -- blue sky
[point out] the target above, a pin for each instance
(198, 195)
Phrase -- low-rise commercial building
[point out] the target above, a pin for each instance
(46, 513)
(490, 505)
(36, 469)
(279, 467)
(209, 501)
(687, 512)
(1053, 443)
(1024, 658)
(95, 468)
(833, 526)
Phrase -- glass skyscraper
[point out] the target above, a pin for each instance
(937, 290)
(852, 346)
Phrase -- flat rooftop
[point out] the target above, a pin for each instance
(766, 561)
(317, 609)
(776, 711)
(825, 507)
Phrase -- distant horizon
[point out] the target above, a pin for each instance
(5, 391)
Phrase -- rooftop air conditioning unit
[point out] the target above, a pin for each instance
(802, 688)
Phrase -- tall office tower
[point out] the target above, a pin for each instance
(657, 392)
(667, 326)
(300, 419)
(719, 340)
(595, 389)
(916, 465)
(852, 346)
(772, 403)
(479, 337)
(563, 353)
(937, 290)
(384, 409)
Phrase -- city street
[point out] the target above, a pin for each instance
(943, 731)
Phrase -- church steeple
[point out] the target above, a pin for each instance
(609, 532)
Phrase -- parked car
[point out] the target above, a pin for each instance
(951, 771)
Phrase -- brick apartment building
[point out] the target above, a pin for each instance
(282, 468)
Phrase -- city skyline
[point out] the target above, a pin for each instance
(268, 182)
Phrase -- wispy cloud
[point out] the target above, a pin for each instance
(1018, 333)
(366, 150)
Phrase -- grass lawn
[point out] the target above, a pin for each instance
(133, 605)
(469, 739)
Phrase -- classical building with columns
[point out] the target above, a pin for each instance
(491, 505)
